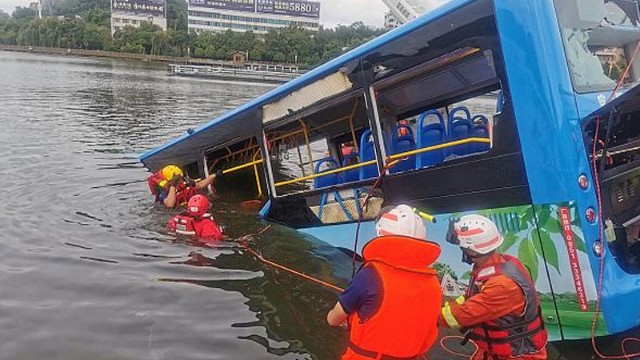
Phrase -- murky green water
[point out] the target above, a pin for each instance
(83, 251)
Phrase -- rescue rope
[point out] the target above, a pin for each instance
(596, 179)
(243, 242)
(452, 352)
(363, 206)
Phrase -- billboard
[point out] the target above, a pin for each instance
(237, 5)
(139, 7)
(290, 7)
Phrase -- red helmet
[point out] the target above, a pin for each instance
(198, 205)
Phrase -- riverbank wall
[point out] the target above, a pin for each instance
(129, 56)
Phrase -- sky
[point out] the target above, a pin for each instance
(333, 12)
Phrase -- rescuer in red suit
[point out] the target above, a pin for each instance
(501, 310)
(172, 188)
(197, 222)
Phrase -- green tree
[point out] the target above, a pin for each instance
(177, 15)
(443, 269)
(99, 17)
(24, 14)
(279, 57)
(210, 52)
(96, 37)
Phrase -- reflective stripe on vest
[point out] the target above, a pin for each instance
(157, 181)
(185, 225)
(513, 335)
(405, 325)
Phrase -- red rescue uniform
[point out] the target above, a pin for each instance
(502, 311)
(159, 187)
(405, 325)
(204, 228)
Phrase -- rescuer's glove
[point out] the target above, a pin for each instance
(219, 174)
(175, 181)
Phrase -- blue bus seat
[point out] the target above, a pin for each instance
(463, 109)
(480, 129)
(327, 180)
(353, 174)
(403, 143)
(459, 128)
(367, 152)
(430, 135)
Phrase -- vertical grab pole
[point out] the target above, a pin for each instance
(297, 144)
(305, 129)
(353, 131)
(255, 171)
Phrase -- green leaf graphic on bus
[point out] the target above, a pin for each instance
(532, 240)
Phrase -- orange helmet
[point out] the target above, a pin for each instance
(198, 205)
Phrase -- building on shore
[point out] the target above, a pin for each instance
(135, 12)
(406, 10)
(259, 16)
(390, 21)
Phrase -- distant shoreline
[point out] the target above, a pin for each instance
(118, 55)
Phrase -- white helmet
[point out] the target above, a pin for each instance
(400, 220)
(477, 233)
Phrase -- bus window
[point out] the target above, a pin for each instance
(241, 161)
(426, 128)
(599, 40)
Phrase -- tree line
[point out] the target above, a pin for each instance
(85, 24)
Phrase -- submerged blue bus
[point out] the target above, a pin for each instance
(495, 107)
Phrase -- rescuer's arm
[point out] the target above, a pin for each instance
(170, 200)
(209, 180)
(498, 297)
(337, 315)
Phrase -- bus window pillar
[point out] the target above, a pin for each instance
(634, 70)
(268, 170)
(376, 128)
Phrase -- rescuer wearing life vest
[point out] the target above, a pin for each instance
(501, 312)
(392, 304)
(172, 188)
(197, 222)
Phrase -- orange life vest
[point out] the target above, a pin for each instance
(405, 325)
(158, 183)
(511, 335)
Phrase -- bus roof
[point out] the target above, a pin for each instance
(189, 146)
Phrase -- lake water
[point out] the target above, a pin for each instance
(87, 270)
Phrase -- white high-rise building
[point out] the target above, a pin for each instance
(390, 21)
(259, 16)
(135, 12)
(406, 10)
